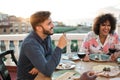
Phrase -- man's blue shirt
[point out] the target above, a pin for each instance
(37, 53)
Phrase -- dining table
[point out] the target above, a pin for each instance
(74, 72)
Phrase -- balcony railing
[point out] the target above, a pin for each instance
(16, 38)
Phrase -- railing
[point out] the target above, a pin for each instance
(16, 38)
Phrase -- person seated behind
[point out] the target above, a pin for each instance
(102, 36)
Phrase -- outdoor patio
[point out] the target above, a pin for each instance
(16, 38)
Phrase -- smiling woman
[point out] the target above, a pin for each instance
(103, 35)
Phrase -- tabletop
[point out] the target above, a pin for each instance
(76, 72)
(88, 66)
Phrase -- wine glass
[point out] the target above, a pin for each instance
(81, 54)
(112, 49)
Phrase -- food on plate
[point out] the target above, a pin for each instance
(96, 57)
(106, 70)
(100, 68)
(65, 64)
(99, 57)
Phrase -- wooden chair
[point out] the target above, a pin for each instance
(3, 70)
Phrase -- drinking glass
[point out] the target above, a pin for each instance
(112, 49)
(81, 54)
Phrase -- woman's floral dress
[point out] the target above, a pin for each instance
(92, 43)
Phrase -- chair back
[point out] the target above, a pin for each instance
(3, 70)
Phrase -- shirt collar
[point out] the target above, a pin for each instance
(38, 37)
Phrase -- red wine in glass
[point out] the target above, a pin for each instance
(111, 51)
(81, 55)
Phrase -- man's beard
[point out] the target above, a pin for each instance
(46, 32)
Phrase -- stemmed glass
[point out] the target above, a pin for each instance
(81, 54)
(112, 49)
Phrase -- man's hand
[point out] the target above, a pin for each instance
(34, 71)
(89, 75)
(62, 41)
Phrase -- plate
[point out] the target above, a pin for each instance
(66, 64)
(100, 69)
(99, 57)
(70, 56)
(60, 73)
(74, 58)
(115, 79)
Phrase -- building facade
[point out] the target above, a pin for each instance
(13, 25)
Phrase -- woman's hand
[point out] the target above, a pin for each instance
(112, 57)
(34, 71)
(86, 58)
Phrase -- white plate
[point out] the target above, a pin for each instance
(112, 73)
(115, 79)
(99, 68)
(67, 56)
(66, 64)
